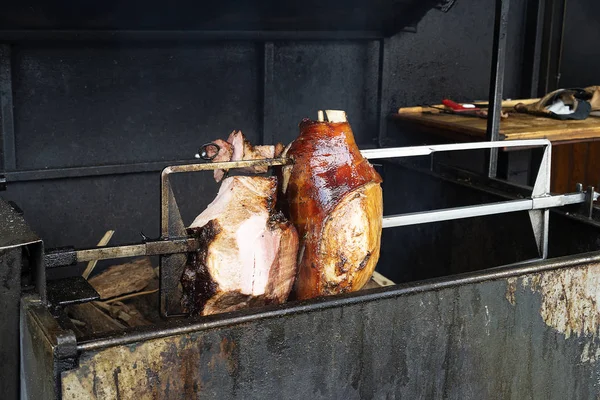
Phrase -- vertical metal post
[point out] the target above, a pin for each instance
(7, 132)
(268, 105)
(534, 29)
(497, 81)
(372, 97)
(382, 92)
(552, 43)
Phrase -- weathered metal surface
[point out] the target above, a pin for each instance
(16, 242)
(47, 349)
(72, 290)
(493, 335)
(14, 231)
(569, 299)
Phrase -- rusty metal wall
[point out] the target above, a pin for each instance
(524, 332)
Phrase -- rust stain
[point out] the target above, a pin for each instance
(510, 290)
(166, 368)
(570, 301)
(156, 369)
(228, 352)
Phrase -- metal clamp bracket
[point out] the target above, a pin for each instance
(537, 205)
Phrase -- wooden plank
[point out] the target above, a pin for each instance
(579, 158)
(556, 136)
(505, 104)
(593, 165)
(516, 126)
(561, 162)
(461, 124)
(96, 321)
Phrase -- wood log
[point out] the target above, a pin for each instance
(96, 320)
(127, 314)
(148, 304)
(124, 278)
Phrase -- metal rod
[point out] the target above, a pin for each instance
(533, 39)
(100, 170)
(181, 35)
(449, 214)
(382, 89)
(268, 93)
(118, 169)
(144, 249)
(414, 151)
(497, 81)
(105, 253)
(266, 162)
(7, 127)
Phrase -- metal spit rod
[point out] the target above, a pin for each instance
(482, 210)
(537, 205)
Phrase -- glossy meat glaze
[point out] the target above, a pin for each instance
(335, 201)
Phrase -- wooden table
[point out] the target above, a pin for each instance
(575, 150)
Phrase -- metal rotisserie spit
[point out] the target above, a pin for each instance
(483, 288)
(367, 343)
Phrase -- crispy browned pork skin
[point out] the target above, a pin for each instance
(248, 252)
(334, 199)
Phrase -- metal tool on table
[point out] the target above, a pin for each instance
(461, 108)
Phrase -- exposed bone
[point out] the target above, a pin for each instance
(336, 116)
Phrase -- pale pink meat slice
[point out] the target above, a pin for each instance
(249, 250)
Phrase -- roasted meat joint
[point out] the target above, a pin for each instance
(311, 229)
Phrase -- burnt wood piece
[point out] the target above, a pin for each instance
(124, 278)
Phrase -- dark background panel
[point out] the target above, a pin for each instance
(450, 56)
(94, 105)
(248, 15)
(78, 212)
(581, 50)
(332, 75)
(123, 102)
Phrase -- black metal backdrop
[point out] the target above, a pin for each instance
(111, 109)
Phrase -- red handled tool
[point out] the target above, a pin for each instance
(458, 108)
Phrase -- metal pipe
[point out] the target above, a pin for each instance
(449, 214)
(266, 162)
(413, 151)
(157, 247)
(102, 35)
(497, 81)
